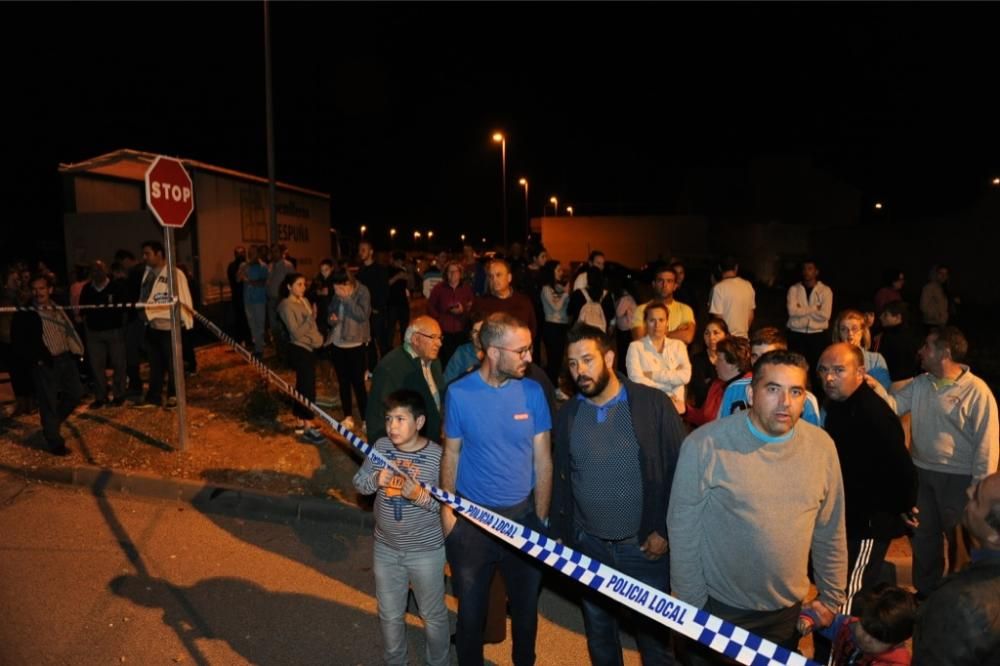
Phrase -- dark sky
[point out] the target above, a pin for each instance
(610, 106)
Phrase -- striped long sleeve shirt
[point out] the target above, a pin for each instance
(400, 523)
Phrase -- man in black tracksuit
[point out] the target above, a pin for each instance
(879, 478)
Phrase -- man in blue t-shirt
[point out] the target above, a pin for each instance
(497, 454)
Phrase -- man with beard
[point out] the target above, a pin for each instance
(497, 453)
(616, 447)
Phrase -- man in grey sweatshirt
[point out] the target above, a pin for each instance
(955, 434)
(753, 494)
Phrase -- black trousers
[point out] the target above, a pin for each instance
(58, 390)
(159, 349)
(776, 626)
(349, 364)
(303, 361)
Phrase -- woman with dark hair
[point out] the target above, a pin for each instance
(703, 363)
(891, 289)
(555, 302)
(449, 303)
(625, 309)
(297, 315)
(350, 333)
(732, 362)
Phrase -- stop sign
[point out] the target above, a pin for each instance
(169, 192)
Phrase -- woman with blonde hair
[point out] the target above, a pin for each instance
(852, 326)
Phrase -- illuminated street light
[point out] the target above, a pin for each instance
(569, 209)
(416, 235)
(878, 205)
(430, 235)
(392, 233)
(463, 237)
(363, 230)
(523, 182)
(502, 140)
(555, 206)
(996, 181)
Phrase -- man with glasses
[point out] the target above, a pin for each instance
(414, 366)
(497, 453)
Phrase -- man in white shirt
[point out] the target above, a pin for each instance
(810, 304)
(733, 299)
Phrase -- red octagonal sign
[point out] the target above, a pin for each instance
(169, 192)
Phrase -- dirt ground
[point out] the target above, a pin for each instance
(226, 445)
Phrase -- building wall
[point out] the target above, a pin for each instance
(101, 195)
(233, 212)
(629, 240)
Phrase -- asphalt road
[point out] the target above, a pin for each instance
(122, 580)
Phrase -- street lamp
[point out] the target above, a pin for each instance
(363, 230)
(463, 237)
(996, 181)
(569, 209)
(555, 206)
(502, 140)
(523, 182)
(878, 205)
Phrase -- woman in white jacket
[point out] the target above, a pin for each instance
(658, 361)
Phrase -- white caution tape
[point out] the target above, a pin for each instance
(722, 636)
(74, 308)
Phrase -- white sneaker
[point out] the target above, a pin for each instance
(314, 436)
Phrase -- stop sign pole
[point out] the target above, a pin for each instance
(170, 197)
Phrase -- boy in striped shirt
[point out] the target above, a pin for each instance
(409, 545)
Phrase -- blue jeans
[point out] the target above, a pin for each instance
(474, 555)
(601, 614)
(256, 320)
(395, 572)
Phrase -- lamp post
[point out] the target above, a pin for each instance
(463, 239)
(569, 209)
(363, 230)
(523, 182)
(392, 237)
(555, 206)
(502, 140)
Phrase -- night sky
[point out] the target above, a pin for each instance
(612, 107)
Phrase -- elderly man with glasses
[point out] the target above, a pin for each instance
(413, 366)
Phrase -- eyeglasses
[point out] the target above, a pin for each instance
(439, 338)
(522, 352)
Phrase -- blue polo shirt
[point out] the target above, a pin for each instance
(497, 427)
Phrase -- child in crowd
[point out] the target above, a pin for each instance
(409, 544)
(877, 638)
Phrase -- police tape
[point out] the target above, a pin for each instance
(97, 306)
(718, 634)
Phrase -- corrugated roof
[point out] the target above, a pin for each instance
(132, 165)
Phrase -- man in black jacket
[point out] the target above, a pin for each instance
(616, 448)
(105, 333)
(879, 478)
(48, 343)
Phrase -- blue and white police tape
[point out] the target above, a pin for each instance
(722, 636)
(98, 306)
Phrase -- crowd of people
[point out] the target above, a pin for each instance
(726, 463)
